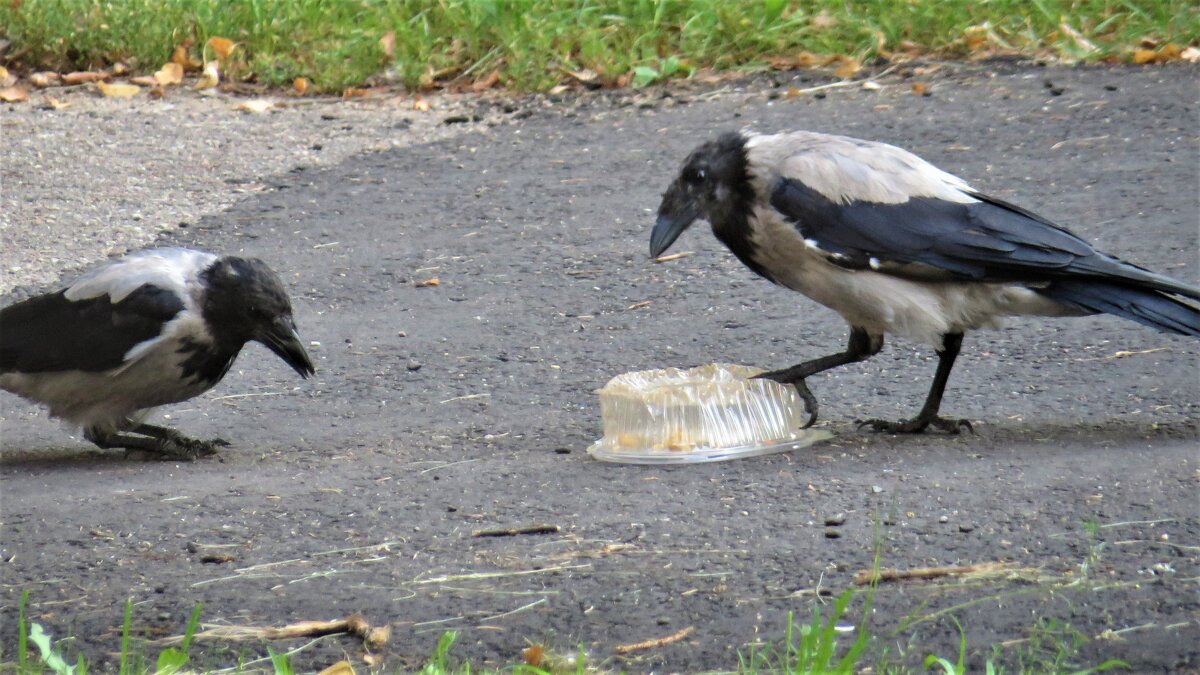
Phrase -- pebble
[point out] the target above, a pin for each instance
(944, 519)
(413, 364)
(832, 533)
(835, 519)
(965, 527)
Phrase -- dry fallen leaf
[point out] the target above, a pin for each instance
(1191, 55)
(118, 69)
(355, 92)
(55, 104)
(14, 94)
(975, 37)
(388, 43)
(184, 59)
(82, 77)
(920, 89)
(255, 105)
(846, 67)
(339, 668)
(7, 79)
(1142, 56)
(300, 84)
(118, 89)
(45, 79)
(419, 103)
(170, 73)
(486, 82)
(221, 47)
(533, 656)
(210, 77)
(428, 282)
(585, 76)
(144, 81)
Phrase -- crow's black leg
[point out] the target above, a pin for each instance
(951, 343)
(862, 345)
(154, 439)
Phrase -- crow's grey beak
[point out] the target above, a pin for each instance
(282, 339)
(675, 214)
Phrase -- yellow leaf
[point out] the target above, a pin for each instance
(81, 77)
(419, 103)
(355, 92)
(7, 79)
(210, 77)
(976, 37)
(1142, 56)
(846, 68)
(426, 283)
(45, 79)
(300, 84)
(255, 105)
(184, 59)
(56, 104)
(118, 90)
(388, 43)
(15, 94)
(1191, 55)
(221, 47)
(339, 668)
(170, 73)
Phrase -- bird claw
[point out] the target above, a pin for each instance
(810, 400)
(189, 449)
(917, 425)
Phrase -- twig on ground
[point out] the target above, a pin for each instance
(870, 576)
(672, 256)
(354, 624)
(517, 531)
(657, 642)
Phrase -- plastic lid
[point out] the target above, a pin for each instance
(705, 414)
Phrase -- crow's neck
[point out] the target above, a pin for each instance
(731, 224)
(208, 361)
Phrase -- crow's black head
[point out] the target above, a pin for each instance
(713, 182)
(245, 300)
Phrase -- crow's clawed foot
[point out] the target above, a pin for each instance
(810, 401)
(918, 425)
(189, 449)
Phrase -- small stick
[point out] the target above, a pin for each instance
(657, 642)
(672, 256)
(517, 531)
(354, 624)
(638, 305)
(868, 576)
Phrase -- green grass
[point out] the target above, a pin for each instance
(532, 44)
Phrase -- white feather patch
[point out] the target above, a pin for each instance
(847, 169)
(173, 269)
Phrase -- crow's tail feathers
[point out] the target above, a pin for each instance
(1148, 307)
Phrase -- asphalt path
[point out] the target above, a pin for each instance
(440, 410)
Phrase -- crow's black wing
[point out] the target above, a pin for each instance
(983, 240)
(50, 333)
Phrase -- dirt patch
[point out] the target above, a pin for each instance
(437, 411)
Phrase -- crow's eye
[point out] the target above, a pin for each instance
(694, 175)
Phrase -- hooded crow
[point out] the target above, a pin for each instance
(158, 326)
(896, 245)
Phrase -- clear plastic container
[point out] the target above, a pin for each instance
(705, 414)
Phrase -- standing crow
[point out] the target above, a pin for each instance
(156, 327)
(896, 245)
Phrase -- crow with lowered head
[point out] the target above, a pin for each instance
(896, 245)
(156, 327)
